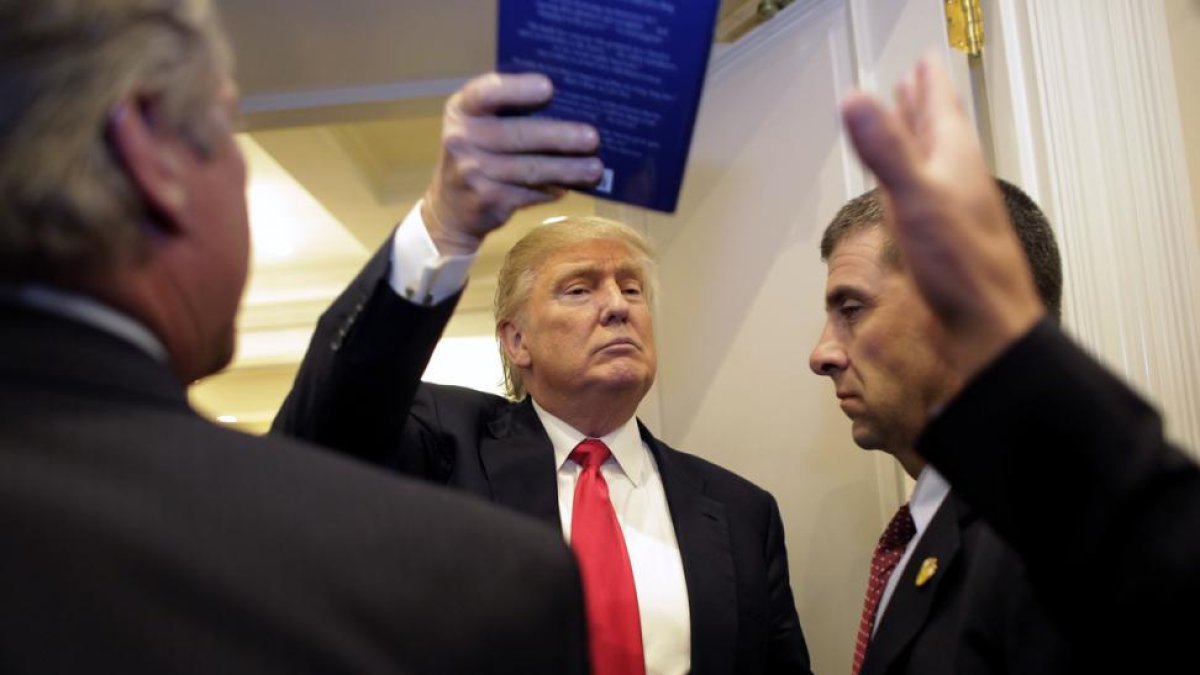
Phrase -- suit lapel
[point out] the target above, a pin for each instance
(908, 610)
(518, 462)
(702, 531)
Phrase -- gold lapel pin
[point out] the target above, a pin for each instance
(928, 569)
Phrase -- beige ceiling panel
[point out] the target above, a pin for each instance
(333, 174)
(286, 46)
(247, 398)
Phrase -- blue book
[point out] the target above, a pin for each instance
(634, 69)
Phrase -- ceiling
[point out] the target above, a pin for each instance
(341, 106)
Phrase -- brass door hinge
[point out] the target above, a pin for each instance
(964, 26)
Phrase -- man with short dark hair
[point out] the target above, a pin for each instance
(1066, 462)
(946, 594)
(139, 537)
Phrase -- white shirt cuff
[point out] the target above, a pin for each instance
(419, 273)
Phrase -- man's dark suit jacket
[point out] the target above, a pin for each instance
(976, 615)
(1071, 468)
(359, 391)
(140, 538)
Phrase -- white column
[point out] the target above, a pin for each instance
(1087, 103)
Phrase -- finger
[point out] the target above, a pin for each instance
(942, 113)
(906, 103)
(544, 195)
(881, 140)
(926, 113)
(508, 199)
(936, 87)
(542, 170)
(531, 134)
(494, 92)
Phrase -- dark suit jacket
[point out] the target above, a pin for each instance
(359, 391)
(976, 615)
(1071, 468)
(138, 537)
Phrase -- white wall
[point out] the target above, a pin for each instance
(1183, 22)
(743, 284)
(743, 289)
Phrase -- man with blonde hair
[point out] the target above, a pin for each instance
(683, 563)
(139, 537)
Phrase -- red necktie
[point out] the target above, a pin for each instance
(888, 553)
(614, 626)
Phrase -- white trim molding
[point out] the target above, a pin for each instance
(1092, 120)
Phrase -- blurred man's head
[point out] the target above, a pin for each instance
(573, 312)
(119, 174)
(880, 345)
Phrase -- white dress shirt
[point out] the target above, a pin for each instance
(635, 487)
(636, 490)
(419, 274)
(927, 498)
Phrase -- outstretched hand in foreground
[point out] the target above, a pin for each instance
(946, 214)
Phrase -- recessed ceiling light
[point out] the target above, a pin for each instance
(553, 219)
(228, 419)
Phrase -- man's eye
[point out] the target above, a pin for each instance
(633, 290)
(577, 290)
(850, 310)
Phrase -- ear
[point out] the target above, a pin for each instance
(152, 158)
(514, 344)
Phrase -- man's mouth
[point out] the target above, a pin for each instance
(619, 343)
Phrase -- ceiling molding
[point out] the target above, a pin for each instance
(322, 164)
(346, 104)
(781, 26)
(737, 18)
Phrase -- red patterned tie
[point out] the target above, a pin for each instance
(888, 553)
(614, 626)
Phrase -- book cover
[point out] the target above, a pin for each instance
(634, 69)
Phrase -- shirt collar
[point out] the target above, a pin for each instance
(927, 497)
(625, 442)
(88, 311)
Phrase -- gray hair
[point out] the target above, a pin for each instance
(67, 206)
(527, 256)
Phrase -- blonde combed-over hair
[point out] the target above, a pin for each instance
(527, 256)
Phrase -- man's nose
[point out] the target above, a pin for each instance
(827, 357)
(615, 305)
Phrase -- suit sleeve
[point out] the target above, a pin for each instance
(361, 372)
(787, 651)
(1071, 467)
